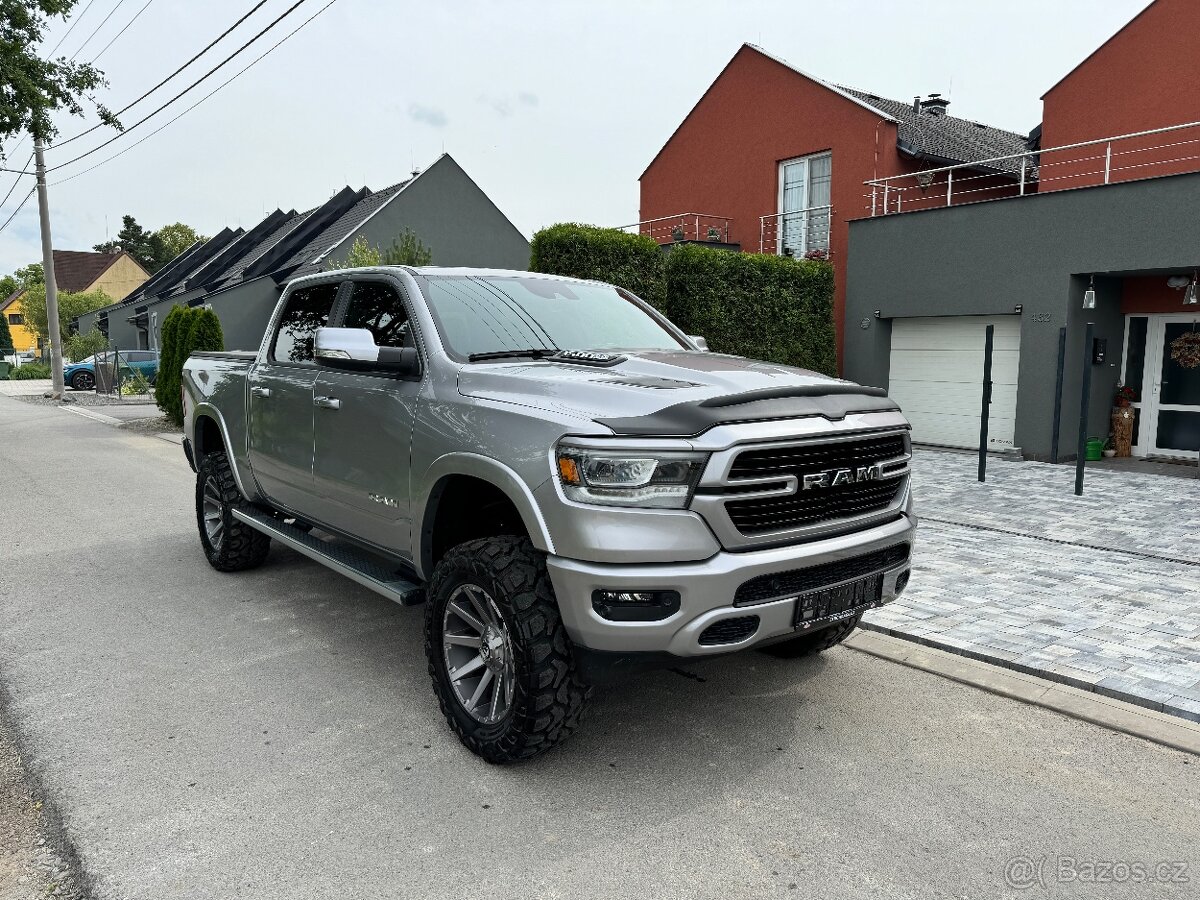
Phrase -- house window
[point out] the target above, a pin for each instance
(16, 319)
(804, 204)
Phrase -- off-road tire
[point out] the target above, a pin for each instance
(817, 642)
(549, 696)
(241, 547)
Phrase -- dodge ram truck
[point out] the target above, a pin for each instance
(570, 484)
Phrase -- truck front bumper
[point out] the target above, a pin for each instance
(707, 590)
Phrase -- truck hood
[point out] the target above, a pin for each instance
(664, 392)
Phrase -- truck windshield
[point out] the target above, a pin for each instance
(493, 315)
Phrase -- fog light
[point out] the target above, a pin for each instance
(902, 581)
(635, 606)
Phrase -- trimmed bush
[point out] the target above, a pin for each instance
(184, 331)
(631, 261)
(772, 308)
(166, 383)
(203, 333)
(6, 341)
(30, 371)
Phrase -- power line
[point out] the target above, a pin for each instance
(15, 182)
(229, 80)
(18, 209)
(210, 72)
(121, 32)
(96, 30)
(134, 103)
(72, 28)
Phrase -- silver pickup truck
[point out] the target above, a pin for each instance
(570, 484)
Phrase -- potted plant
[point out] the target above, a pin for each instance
(1125, 396)
(677, 233)
(1110, 449)
(714, 233)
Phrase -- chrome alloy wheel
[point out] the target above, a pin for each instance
(214, 514)
(479, 655)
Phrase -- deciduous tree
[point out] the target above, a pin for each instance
(31, 86)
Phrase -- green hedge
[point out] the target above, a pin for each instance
(30, 372)
(631, 261)
(773, 308)
(749, 304)
(184, 331)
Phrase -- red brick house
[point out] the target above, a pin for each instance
(774, 160)
(1137, 80)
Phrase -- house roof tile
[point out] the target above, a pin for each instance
(945, 138)
(312, 256)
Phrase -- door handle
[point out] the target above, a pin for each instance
(327, 402)
(260, 391)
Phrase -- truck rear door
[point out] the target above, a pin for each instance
(281, 400)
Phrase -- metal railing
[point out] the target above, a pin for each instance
(797, 232)
(1102, 161)
(683, 227)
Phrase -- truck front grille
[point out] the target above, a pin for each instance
(760, 515)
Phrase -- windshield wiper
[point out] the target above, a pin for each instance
(535, 352)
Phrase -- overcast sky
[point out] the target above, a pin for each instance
(554, 108)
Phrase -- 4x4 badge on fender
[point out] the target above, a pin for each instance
(834, 477)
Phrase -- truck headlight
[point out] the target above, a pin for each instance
(660, 480)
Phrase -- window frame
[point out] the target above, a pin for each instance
(340, 285)
(341, 308)
(807, 159)
(16, 319)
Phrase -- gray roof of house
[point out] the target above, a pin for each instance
(312, 256)
(945, 139)
(256, 252)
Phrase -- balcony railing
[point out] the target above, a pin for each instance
(1140, 154)
(797, 232)
(683, 227)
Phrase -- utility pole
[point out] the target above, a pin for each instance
(52, 324)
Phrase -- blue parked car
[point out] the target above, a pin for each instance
(82, 375)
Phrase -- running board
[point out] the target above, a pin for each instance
(355, 565)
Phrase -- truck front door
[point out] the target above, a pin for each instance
(281, 401)
(363, 427)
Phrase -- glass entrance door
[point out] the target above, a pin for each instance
(1171, 402)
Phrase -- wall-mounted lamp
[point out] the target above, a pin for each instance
(1189, 296)
(1089, 296)
(877, 314)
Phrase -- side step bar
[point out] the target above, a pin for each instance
(355, 565)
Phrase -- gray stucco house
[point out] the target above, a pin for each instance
(241, 273)
(923, 285)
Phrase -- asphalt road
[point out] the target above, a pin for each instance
(273, 734)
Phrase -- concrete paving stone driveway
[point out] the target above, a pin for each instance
(273, 735)
(1100, 591)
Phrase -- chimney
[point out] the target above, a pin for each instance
(935, 105)
(916, 105)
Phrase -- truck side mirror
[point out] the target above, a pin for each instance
(354, 349)
(701, 343)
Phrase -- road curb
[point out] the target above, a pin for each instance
(91, 414)
(1043, 674)
(1109, 712)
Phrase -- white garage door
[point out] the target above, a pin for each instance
(937, 378)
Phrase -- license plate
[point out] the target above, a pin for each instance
(840, 602)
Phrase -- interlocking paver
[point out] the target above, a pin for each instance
(1102, 591)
